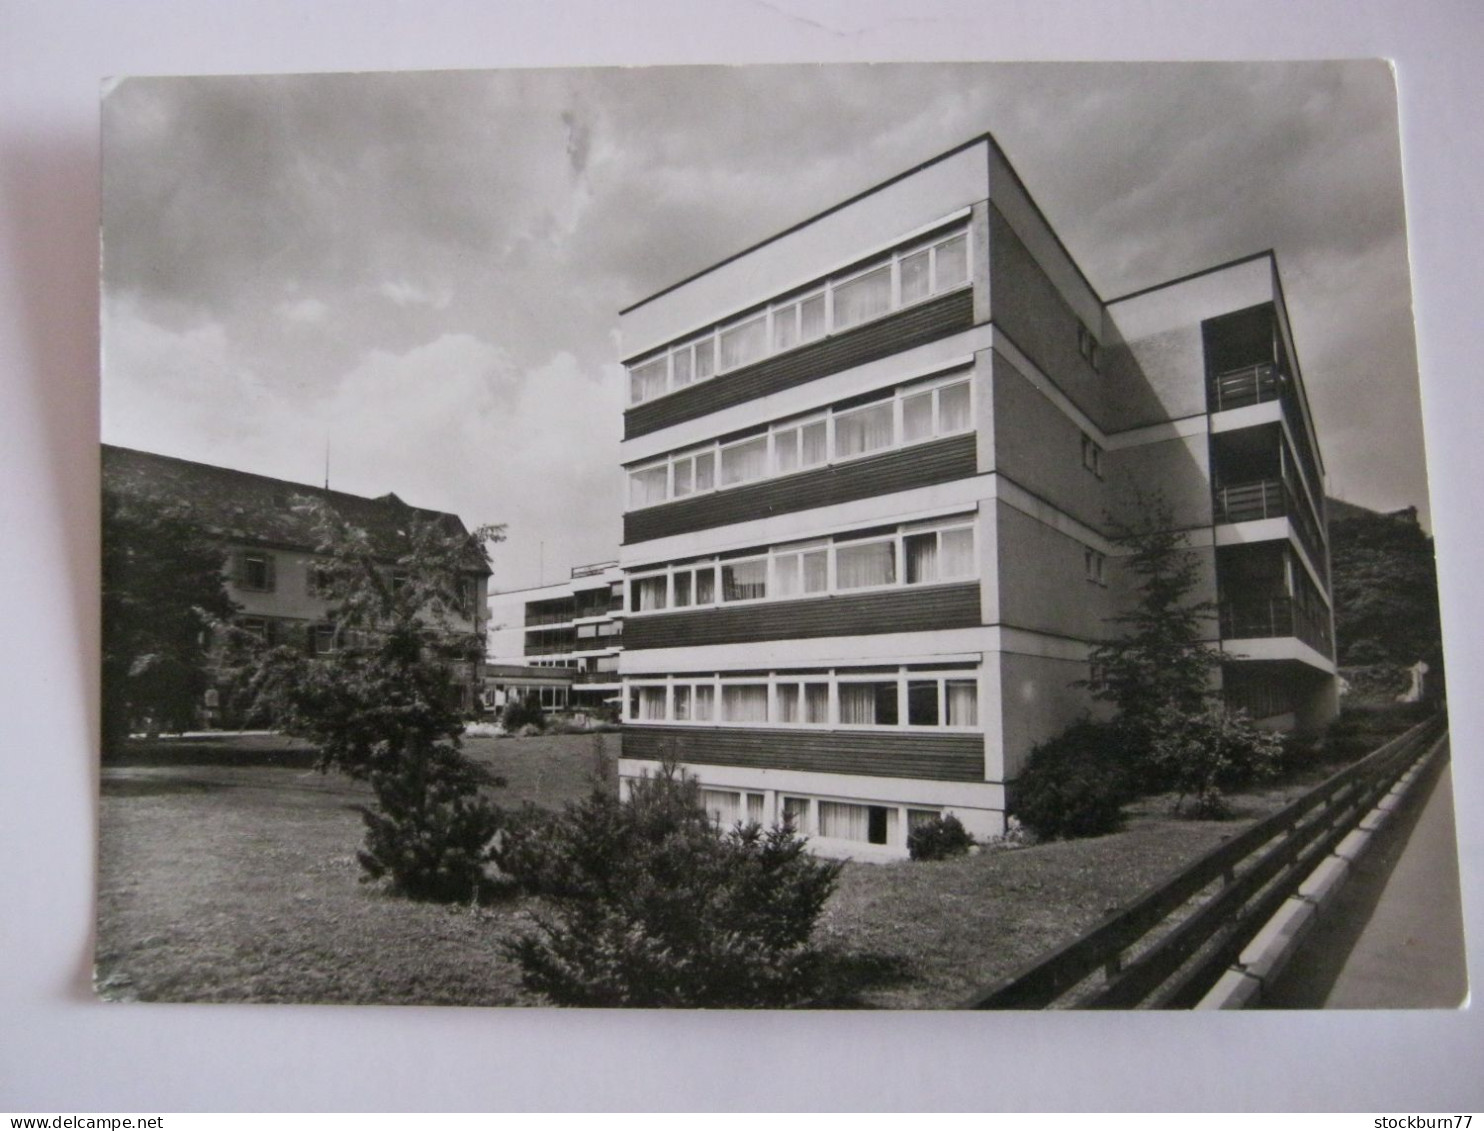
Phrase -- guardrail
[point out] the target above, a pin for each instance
(1168, 947)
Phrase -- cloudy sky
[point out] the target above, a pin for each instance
(423, 271)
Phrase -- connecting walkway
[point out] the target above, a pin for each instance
(1393, 938)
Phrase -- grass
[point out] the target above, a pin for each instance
(229, 874)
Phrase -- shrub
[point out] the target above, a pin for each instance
(431, 829)
(655, 908)
(1076, 784)
(938, 839)
(1209, 752)
(523, 713)
(524, 850)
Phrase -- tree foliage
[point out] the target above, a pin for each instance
(383, 705)
(656, 907)
(162, 587)
(1160, 659)
(1385, 590)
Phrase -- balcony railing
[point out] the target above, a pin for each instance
(1249, 385)
(548, 618)
(548, 649)
(1248, 502)
(1257, 618)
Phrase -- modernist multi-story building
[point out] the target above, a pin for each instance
(574, 626)
(873, 467)
(269, 545)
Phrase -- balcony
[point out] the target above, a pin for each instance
(1271, 498)
(534, 619)
(1247, 385)
(1256, 618)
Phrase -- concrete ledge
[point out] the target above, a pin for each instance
(1354, 845)
(1272, 946)
(1234, 990)
(1323, 880)
(1373, 820)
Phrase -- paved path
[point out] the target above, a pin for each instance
(1394, 937)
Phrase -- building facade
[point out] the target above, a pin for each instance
(269, 545)
(873, 468)
(574, 627)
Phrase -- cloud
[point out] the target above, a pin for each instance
(304, 310)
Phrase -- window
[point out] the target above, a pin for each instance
(865, 564)
(744, 581)
(907, 276)
(744, 703)
(647, 704)
(869, 824)
(649, 380)
(744, 343)
(744, 462)
(316, 580)
(255, 572)
(723, 807)
(869, 704)
(962, 696)
(927, 413)
(804, 703)
(705, 703)
(1092, 455)
(939, 555)
(648, 486)
(795, 813)
(649, 593)
(922, 703)
(917, 818)
(800, 572)
(863, 430)
(1094, 564)
(1088, 347)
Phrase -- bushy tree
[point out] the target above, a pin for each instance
(1159, 660)
(383, 705)
(162, 587)
(656, 907)
(1203, 754)
(939, 839)
(1385, 590)
(1076, 784)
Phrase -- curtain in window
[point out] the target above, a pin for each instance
(857, 704)
(874, 563)
(815, 451)
(684, 477)
(682, 374)
(786, 450)
(796, 813)
(705, 358)
(651, 703)
(956, 553)
(744, 462)
(844, 822)
(723, 807)
(811, 318)
(864, 430)
(705, 471)
(682, 590)
(952, 266)
(706, 586)
(744, 581)
(649, 593)
(816, 703)
(745, 343)
(648, 486)
(816, 571)
(648, 380)
(788, 703)
(785, 326)
(744, 703)
(916, 276)
(864, 297)
(786, 575)
(963, 703)
(705, 702)
(682, 704)
(917, 417)
(953, 409)
(922, 557)
(755, 808)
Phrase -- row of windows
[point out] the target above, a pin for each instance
(898, 280)
(915, 554)
(900, 698)
(914, 414)
(256, 571)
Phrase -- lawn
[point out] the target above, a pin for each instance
(227, 872)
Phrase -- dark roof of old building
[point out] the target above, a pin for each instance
(1339, 510)
(239, 506)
